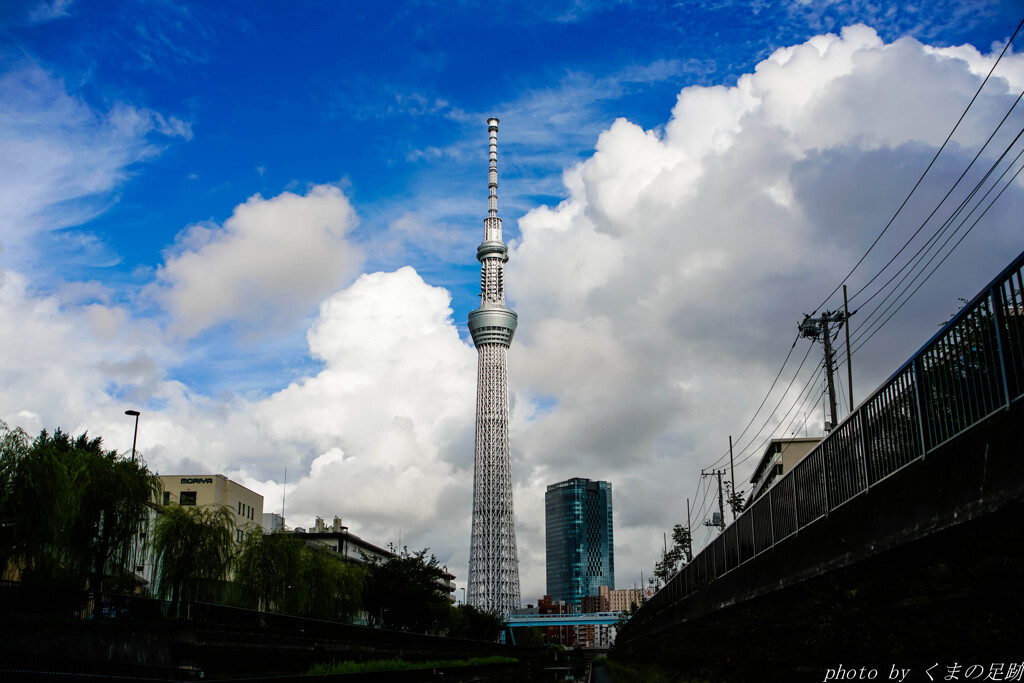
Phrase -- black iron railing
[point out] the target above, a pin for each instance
(973, 367)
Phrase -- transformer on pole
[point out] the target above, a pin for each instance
(813, 328)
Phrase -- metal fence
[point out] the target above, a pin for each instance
(972, 368)
(17, 597)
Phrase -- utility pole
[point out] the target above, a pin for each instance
(721, 506)
(812, 328)
(732, 480)
(689, 534)
(849, 356)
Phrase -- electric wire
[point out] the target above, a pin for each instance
(926, 170)
(798, 405)
(781, 399)
(872, 324)
(701, 510)
(763, 401)
(932, 272)
(857, 293)
(915, 260)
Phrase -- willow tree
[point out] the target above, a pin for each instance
(329, 587)
(70, 508)
(279, 573)
(193, 548)
(14, 447)
(266, 567)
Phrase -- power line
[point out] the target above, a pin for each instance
(781, 399)
(763, 400)
(932, 214)
(926, 170)
(933, 247)
(932, 272)
(798, 405)
(891, 260)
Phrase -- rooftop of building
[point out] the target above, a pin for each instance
(579, 481)
(193, 479)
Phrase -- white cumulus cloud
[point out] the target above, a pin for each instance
(658, 301)
(269, 264)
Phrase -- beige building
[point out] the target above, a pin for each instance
(621, 600)
(779, 457)
(215, 489)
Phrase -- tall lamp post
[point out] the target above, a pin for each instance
(135, 414)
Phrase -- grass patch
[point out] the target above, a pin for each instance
(402, 665)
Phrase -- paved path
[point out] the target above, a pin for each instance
(599, 674)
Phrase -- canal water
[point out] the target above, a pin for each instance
(553, 674)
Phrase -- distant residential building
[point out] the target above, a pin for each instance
(779, 458)
(595, 636)
(579, 542)
(597, 603)
(337, 538)
(621, 600)
(564, 635)
(272, 523)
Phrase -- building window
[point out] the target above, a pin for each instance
(167, 497)
(238, 535)
(187, 498)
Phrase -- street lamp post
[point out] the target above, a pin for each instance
(135, 414)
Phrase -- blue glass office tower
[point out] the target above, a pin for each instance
(578, 527)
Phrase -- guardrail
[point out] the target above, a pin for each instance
(571, 618)
(972, 368)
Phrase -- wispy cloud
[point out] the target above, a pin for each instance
(64, 162)
(30, 13)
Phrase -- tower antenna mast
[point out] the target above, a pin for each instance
(493, 558)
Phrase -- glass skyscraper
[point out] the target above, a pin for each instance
(578, 529)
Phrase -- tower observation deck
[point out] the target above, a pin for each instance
(493, 559)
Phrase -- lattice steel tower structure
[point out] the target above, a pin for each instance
(493, 560)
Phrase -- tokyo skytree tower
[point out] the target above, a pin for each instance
(493, 560)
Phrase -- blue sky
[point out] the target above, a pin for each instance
(246, 219)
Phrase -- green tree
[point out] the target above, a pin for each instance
(329, 587)
(734, 499)
(193, 548)
(14, 447)
(402, 592)
(530, 636)
(70, 508)
(280, 573)
(266, 566)
(466, 621)
(677, 556)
